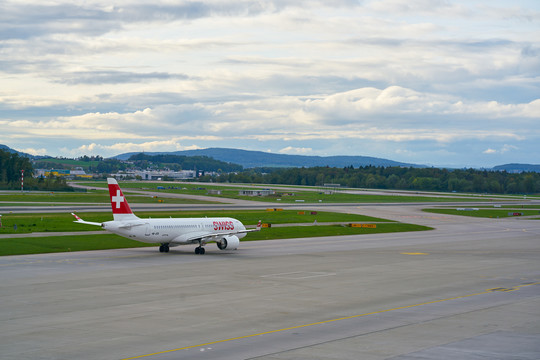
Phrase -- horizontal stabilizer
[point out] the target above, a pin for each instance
(81, 221)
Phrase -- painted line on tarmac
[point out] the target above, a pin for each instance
(487, 291)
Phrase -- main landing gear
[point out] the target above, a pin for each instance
(199, 250)
(164, 248)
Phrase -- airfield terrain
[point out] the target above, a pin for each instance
(469, 289)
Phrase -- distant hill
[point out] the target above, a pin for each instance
(517, 168)
(13, 151)
(251, 159)
(8, 149)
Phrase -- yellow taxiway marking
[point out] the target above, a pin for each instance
(334, 320)
(414, 253)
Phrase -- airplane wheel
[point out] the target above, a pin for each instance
(166, 248)
(199, 250)
(161, 249)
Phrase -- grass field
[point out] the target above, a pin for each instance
(49, 244)
(53, 222)
(91, 197)
(485, 213)
(287, 196)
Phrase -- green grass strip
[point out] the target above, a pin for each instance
(52, 222)
(484, 213)
(329, 230)
(91, 197)
(291, 196)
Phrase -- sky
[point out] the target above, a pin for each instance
(434, 82)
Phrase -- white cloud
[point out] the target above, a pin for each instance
(504, 149)
(305, 76)
(119, 148)
(33, 151)
(294, 150)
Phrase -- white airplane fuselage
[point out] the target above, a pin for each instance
(226, 232)
(175, 231)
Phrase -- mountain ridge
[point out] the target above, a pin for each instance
(285, 160)
(251, 159)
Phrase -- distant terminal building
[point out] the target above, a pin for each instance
(330, 189)
(256, 192)
(71, 174)
(157, 175)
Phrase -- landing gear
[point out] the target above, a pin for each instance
(199, 250)
(164, 248)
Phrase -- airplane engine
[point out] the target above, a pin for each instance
(229, 242)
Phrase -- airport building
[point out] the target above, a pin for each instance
(157, 174)
(256, 192)
(78, 173)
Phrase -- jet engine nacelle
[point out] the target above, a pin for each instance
(229, 242)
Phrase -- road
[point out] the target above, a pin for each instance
(468, 290)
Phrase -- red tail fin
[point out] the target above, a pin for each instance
(119, 204)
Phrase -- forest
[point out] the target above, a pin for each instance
(398, 178)
(180, 162)
(371, 177)
(11, 165)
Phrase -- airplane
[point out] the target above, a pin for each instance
(226, 232)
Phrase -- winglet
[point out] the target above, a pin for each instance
(259, 225)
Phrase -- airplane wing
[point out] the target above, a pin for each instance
(204, 237)
(81, 221)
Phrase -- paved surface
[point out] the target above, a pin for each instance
(468, 290)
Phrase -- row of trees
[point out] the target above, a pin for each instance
(422, 179)
(181, 162)
(11, 165)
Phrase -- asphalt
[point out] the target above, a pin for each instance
(470, 289)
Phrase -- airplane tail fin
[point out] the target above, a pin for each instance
(120, 207)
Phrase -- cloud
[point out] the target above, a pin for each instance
(116, 77)
(504, 149)
(33, 151)
(428, 77)
(28, 19)
(119, 148)
(294, 150)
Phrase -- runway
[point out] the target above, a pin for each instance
(468, 290)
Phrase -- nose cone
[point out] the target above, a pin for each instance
(239, 227)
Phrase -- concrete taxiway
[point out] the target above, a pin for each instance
(468, 290)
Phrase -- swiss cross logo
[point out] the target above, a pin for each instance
(119, 203)
(118, 199)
